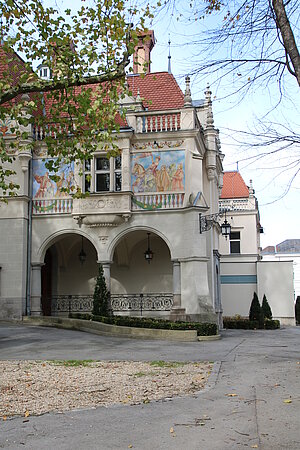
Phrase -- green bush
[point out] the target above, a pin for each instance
(203, 329)
(266, 308)
(246, 324)
(256, 312)
(297, 310)
(240, 324)
(271, 324)
(101, 295)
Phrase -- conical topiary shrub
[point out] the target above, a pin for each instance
(255, 312)
(101, 296)
(266, 308)
(297, 310)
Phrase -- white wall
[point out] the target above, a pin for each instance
(275, 280)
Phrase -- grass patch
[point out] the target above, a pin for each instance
(72, 362)
(167, 364)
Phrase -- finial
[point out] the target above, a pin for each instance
(208, 93)
(208, 102)
(251, 190)
(187, 94)
(169, 57)
(237, 166)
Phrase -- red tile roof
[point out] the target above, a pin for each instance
(158, 90)
(234, 186)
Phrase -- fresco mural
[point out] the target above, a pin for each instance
(158, 172)
(44, 187)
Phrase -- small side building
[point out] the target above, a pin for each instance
(243, 271)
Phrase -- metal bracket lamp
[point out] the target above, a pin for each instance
(148, 253)
(82, 254)
(207, 221)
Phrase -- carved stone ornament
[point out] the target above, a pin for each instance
(103, 239)
(104, 220)
(155, 145)
(211, 173)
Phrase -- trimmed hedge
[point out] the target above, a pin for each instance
(203, 329)
(246, 324)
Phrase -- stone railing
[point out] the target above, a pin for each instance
(239, 204)
(119, 302)
(149, 122)
(52, 206)
(150, 202)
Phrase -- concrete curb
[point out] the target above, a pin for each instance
(117, 331)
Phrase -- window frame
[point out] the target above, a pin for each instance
(113, 171)
(235, 241)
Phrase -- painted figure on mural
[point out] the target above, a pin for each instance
(46, 188)
(177, 180)
(151, 175)
(163, 180)
(158, 171)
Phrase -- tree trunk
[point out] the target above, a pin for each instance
(288, 38)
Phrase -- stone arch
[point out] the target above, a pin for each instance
(55, 237)
(118, 238)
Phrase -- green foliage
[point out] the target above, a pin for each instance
(240, 324)
(87, 49)
(101, 296)
(267, 312)
(297, 310)
(255, 312)
(270, 324)
(203, 329)
(236, 323)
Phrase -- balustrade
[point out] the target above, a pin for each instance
(170, 200)
(52, 206)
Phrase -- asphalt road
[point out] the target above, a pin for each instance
(243, 406)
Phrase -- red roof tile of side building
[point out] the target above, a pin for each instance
(234, 186)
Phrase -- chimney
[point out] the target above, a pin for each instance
(142, 52)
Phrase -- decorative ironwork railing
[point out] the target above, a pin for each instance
(170, 200)
(141, 302)
(149, 122)
(52, 206)
(118, 303)
(71, 303)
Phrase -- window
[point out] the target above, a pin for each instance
(103, 174)
(235, 242)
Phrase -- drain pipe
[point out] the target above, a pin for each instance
(29, 241)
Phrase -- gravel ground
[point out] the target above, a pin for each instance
(36, 387)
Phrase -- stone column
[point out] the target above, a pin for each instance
(126, 176)
(36, 289)
(176, 284)
(177, 312)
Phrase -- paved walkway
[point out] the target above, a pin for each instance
(243, 406)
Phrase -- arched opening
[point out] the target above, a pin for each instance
(137, 286)
(67, 280)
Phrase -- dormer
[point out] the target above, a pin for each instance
(44, 71)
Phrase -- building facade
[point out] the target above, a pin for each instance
(243, 269)
(140, 219)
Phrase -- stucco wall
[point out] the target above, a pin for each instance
(13, 253)
(275, 280)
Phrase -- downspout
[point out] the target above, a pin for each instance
(29, 241)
